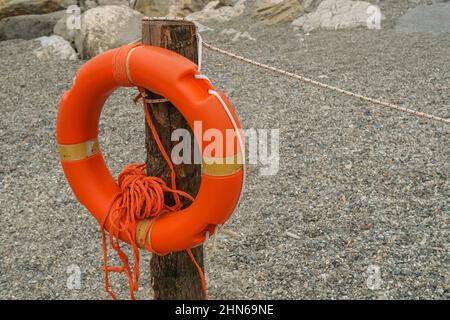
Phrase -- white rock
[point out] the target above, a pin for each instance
(338, 14)
(229, 32)
(154, 7)
(105, 28)
(61, 29)
(169, 7)
(213, 12)
(245, 35)
(293, 235)
(202, 28)
(55, 47)
(237, 35)
(183, 8)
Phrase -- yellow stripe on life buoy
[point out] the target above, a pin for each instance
(222, 167)
(80, 151)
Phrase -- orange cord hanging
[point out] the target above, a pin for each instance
(140, 197)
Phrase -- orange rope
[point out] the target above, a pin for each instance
(200, 272)
(141, 197)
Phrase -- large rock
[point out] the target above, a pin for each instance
(55, 47)
(90, 4)
(427, 19)
(215, 11)
(183, 8)
(283, 11)
(336, 14)
(104, 28)
(153, 8)
(157, 8)
(10, 8)
(29, 26)
(174, 8)
(310, 5)
(65, 28)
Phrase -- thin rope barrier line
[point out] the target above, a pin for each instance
(326, 86)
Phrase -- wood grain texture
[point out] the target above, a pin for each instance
(173, 276)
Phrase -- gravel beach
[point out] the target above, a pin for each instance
(360, 187)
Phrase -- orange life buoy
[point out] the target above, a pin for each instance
(177, 79)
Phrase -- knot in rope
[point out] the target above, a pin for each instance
(141, 197)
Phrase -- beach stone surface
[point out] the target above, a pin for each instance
(433, 18)
(359, 208)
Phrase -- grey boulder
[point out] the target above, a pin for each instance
(29, 27)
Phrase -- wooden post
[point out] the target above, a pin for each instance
(174, 276)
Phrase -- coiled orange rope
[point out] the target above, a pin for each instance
(141, 197)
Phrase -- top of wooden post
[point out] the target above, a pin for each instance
(175, 34)
(167, 21)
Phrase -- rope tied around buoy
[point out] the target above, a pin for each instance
(140, 197)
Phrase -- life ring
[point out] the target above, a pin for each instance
(177, 79)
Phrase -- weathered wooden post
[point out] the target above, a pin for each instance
(174, 276)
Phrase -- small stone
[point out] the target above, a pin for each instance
(55, 47)
(366, 227)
